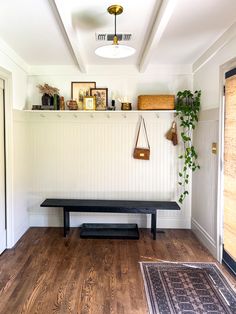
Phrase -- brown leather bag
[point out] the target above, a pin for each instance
(140, 152)
(171, 135)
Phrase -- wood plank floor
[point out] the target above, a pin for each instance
(46, 273)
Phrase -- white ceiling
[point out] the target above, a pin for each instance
(62, 32)
(193, 27)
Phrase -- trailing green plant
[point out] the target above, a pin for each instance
(187, 109)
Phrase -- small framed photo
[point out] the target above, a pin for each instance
(79, 90)
(89, 103)
(101, 97)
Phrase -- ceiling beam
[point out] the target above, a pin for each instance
(64, 20)
(223, 40)
(161, 20)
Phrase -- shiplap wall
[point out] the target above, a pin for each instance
(90, 156)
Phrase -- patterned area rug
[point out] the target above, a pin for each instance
(187, 288)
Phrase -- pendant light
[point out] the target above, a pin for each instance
(115, 51)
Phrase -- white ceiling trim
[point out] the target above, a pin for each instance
(162, 18)
(72, 40)
(216, 47)
(11, 54)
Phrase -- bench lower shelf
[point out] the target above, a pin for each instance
(109, 231)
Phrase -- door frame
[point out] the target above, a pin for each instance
(7, 77)
(231, 64)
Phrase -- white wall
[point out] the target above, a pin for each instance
(204, 193)
(21, 175)
(204, 181)
(17, 215)
(123, 80)
(92, 157)
(79, 156)
(11, 62)
(207, 78)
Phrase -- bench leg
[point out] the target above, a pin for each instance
(66, 222)
(154, 225)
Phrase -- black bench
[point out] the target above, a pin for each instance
(110, 206)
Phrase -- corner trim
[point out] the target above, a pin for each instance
(11, 54)
(7, 77)
(227, 36)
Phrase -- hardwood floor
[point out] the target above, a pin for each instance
(46, 273)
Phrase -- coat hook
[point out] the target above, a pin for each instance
(75, 115)
(42, 115)
(59, 116)
(91, 116)
(108, 116)
(157, 116)
(124, 115)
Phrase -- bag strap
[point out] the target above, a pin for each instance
(144, 124)
(140, 121)
(145, 130)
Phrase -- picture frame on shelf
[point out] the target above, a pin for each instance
(89, 103)
(79, 90)
(101, 97)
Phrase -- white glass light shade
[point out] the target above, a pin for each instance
(114, 51)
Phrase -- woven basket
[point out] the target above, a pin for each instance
(156, 102)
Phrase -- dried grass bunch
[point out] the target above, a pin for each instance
(47, 89)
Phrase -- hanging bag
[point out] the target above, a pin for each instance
(140, 152)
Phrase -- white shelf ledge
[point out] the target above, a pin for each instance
(82, 115)
(100, 111)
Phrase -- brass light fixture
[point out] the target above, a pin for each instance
(115, 51)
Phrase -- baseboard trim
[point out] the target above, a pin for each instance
(18, 233)
(204, 237)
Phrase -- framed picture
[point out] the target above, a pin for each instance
(89, 103)
(79, 90)
(101, 97)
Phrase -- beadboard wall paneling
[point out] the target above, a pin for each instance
(21, 175)
(204, 181)
(85, 155)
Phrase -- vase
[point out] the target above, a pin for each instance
(126, 106)
(47, 100)
(56, 102)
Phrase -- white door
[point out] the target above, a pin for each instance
(2, 172)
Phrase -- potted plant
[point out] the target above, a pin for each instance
(187, 108)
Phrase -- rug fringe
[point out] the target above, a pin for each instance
(146, 289)
(154, 259)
